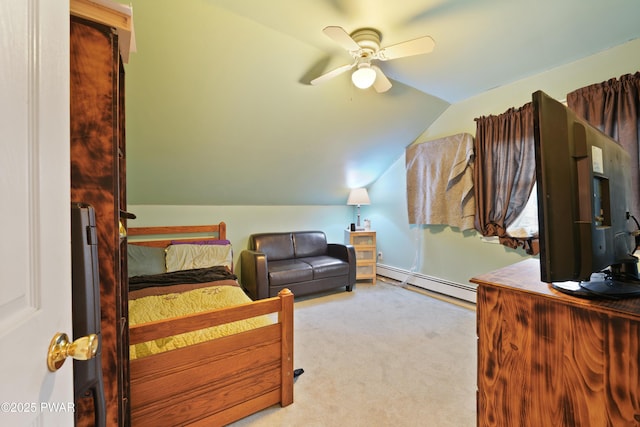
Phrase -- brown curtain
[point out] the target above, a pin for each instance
(614, 108)
(504, 173)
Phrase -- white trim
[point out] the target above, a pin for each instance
(466, 292)
(34, 139)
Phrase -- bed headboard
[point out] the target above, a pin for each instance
(161, 237)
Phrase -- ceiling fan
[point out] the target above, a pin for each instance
(364, 46)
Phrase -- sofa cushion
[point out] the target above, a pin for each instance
(288, 271)
(326, 266)
(276, 246)
(309, 243)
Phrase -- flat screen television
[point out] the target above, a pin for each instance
(583, 183)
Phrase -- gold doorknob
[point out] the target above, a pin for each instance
(122, 231)
(84, 348)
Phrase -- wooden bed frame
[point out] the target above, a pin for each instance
(219, 381)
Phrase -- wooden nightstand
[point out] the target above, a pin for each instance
(364, 242)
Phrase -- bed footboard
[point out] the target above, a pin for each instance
(219, 381)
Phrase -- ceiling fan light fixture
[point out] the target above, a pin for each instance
(364, 47)
(364, 76)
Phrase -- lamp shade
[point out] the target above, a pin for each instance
(358, 196)
(364, 76)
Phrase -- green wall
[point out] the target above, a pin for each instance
(243, 221)
(444, 252)
(437, 251)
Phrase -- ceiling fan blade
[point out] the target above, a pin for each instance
(331, 74)
(381, 83)
(340, 36)
(417, 46)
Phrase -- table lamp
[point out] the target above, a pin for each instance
(357, 197)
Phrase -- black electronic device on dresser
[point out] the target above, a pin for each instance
(87, 374)
(584, 191)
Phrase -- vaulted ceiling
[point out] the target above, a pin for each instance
(220, 110)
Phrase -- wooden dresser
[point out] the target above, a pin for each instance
(98, 178)
(549, 359)
(364, 243)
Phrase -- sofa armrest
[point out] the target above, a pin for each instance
(346, 253)
(253, 274)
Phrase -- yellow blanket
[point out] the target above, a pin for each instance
(159, 307)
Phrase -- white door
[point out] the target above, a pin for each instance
(35, 271)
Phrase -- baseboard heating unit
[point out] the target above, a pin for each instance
(466, 292)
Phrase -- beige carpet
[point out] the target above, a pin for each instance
(381, 355)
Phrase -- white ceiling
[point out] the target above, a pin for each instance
(287, 142)
(473, 37)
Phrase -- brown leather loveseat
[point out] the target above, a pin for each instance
(301, 261)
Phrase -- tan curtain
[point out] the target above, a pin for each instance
(614, 108)
(504, 173)
(440, 182)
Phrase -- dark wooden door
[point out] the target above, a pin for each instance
(97, 178)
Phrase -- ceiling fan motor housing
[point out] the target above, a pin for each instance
(368, 39)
